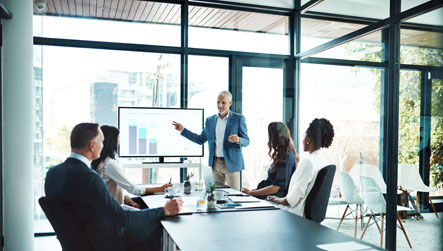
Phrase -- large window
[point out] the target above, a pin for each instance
(88, 85)
(238, 30)
(262, 103)
(208, 76)
(316, 32)
(349, 98)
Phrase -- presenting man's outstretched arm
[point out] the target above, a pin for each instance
(199, 139)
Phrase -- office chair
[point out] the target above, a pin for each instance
(66, 223)
(318, 197)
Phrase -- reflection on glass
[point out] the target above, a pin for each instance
(262, 105)
(316, 32)
(144, 22)
(436, 175)
(226, 29)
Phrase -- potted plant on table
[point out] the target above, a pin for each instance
(211, 198)
(187, 184)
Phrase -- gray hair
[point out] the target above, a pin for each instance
(227, 94)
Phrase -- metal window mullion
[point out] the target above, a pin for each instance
(391, 117)
(184, 66)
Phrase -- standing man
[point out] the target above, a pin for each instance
(226, 134)
(108, 226)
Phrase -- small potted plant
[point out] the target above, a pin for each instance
(211, 198)
(187, 184)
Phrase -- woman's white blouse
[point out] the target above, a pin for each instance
(302, 181)
(112, 170)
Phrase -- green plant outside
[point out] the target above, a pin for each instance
(409, 104)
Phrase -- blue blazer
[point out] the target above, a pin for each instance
(104, 219)
(232, 153)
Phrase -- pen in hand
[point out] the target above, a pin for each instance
(170, 180)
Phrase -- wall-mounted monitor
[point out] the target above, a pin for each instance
(148, 132)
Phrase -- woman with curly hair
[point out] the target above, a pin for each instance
(318, 135)
(284, 157)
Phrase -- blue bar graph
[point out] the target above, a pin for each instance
(132, 139)
(152, 146)
(142, 147)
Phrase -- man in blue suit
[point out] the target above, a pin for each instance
(108, 226)
(226, 134)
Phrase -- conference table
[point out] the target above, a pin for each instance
(255, 229)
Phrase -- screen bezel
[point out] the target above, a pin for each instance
(158, 155)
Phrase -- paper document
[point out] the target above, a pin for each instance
(345, 246)
(243, 199)
(231, 191)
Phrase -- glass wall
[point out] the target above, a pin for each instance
(208, 76)
(225, 29)
(262, 104)
(436, 142)
(349, 97)
(316, 32)
(89, 85)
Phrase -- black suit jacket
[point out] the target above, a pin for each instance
(105, 220)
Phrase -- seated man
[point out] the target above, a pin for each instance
(109, 227)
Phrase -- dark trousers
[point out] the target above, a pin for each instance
(144, 237)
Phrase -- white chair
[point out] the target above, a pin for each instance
(351, 196)
(376, 203)
(409, 178)
(373, 172)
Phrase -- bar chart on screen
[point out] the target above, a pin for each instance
(148, 132)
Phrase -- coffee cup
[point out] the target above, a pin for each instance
(173, 191)
(219, 194)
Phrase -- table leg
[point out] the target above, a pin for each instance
(168, 243)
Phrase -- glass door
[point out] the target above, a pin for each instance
(432, 167)
(260, 97)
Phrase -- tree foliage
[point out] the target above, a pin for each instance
(409, 103)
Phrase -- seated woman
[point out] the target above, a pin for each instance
(318, 135)
(284, 157)
(111, 171)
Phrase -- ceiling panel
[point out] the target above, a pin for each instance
(157, 12)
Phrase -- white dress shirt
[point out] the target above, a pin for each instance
(220, 129)
(303, 180)
(81, 158)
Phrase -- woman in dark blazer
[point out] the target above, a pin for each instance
(284, 158)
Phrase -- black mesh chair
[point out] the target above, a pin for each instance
(66, 223)
(318, 197)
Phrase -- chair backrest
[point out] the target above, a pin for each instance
(373, 172)
(317, 200)
(67, 224)
(409, 178)
(372, 195)
(348, 189)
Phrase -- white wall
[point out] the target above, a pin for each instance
(18, 201)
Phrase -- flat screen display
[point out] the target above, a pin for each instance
(148, 132)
